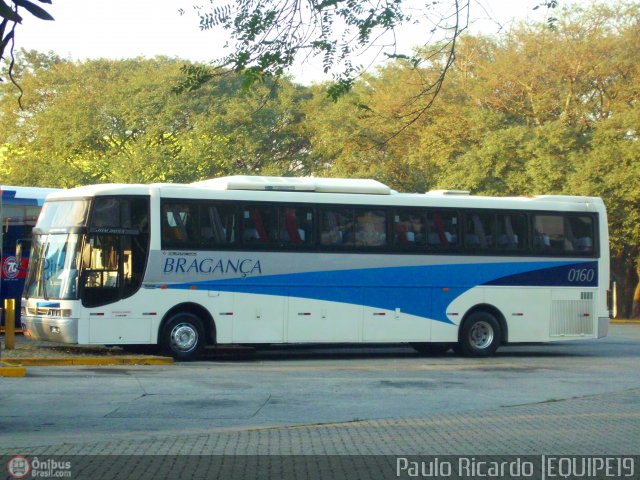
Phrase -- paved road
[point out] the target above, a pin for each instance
(576, 397)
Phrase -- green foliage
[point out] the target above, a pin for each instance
(119, 121)
(193, 77)
(268, 35)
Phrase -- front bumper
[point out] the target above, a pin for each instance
(61, 330)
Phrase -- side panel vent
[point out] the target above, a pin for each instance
(572, 318)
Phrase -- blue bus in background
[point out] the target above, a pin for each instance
(19, 210)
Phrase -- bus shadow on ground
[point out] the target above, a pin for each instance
(246, 353)
(391, 351)
(306, 352)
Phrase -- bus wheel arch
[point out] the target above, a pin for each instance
(197, 322)
(482, 330)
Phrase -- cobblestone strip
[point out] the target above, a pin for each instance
(602, 424)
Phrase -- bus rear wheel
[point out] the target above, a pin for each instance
(480, 335)
(183, 336)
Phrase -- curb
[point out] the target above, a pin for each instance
(86, 361)
(625, 322)
(12, 371)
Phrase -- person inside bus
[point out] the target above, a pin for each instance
(542, 240)
(347, 233)
(404, 231)
(259, 225)
(371, 229)
(291, 232)
(418, 230)
(250, 234)
(410, 231)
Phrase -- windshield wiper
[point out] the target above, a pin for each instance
(43, 259)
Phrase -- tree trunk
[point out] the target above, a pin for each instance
(635, 310)
(623, 272)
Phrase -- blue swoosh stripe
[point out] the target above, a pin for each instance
(417, 290)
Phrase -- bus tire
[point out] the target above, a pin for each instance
(183, 336)
(480, 335)
(424, 348)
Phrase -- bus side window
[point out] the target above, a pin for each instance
(259, 225)
(479, 229)
(409, 228)
(296, 225)
(217, 225)
(442, 229)
(549, 233)
(512, 231)
(337, 227)
(178, 225)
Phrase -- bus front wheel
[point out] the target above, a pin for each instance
(183, 336)
(480, 335)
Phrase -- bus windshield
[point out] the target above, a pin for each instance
(63, 214)
(53, 273)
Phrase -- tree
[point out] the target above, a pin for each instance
(118, 121)
(269, 35)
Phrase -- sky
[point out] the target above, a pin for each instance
(117, 29)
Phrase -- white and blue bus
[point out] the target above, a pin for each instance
(270, 260)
